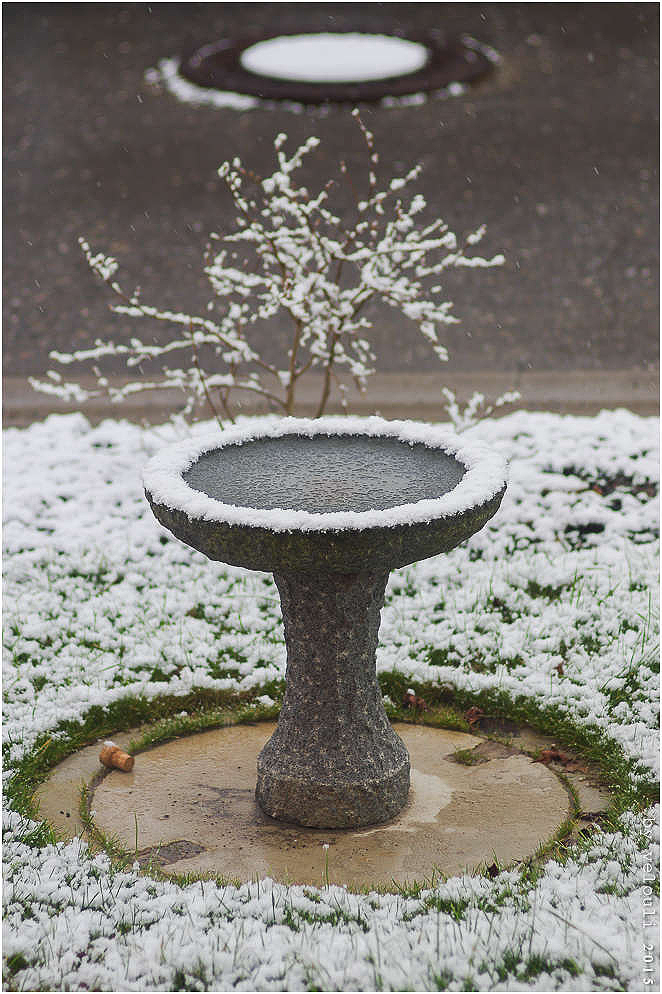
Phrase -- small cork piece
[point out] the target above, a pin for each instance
(115, 758)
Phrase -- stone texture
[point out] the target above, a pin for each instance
(346, 551)
(323, 474)
(198, 793)
(334, 760)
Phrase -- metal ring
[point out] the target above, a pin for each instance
(217, 65)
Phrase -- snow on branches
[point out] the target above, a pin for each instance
(290, 255)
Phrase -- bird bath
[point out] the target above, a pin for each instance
(330, 507)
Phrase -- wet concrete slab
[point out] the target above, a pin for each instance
(192, 804)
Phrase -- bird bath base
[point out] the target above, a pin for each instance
(334, 760)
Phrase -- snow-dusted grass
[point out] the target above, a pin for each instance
(549, 613)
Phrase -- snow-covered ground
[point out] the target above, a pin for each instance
(555, 601)
(166, 74)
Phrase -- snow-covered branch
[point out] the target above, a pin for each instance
(290, 254)
(475, 409)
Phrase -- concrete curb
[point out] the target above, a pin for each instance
(393, 395)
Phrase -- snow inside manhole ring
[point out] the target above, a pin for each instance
(322, 67)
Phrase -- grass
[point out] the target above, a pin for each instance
(467, 757)
(607, 763)
(446, 705)
(546, 620)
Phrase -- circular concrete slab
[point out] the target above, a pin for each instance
(192, 803)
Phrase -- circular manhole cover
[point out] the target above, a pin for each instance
(321, 67)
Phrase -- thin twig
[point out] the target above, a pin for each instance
(203, 381)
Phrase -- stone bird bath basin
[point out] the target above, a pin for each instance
(328, 506)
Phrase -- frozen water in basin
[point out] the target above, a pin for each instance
(326, 473)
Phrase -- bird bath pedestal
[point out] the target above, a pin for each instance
(330, 507)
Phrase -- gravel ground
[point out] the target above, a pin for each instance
(557, 153)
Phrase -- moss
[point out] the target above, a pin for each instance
(467, 757)
(163, 720)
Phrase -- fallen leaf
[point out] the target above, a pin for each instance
(473, 715)
(554, 755)
(594, 817)
(410, 700)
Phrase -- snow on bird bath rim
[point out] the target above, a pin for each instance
(485, 475)
(334, 58)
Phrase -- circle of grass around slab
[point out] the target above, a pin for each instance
(166, 718)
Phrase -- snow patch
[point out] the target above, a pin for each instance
(101, 604)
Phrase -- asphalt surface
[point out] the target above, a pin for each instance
(557, 153)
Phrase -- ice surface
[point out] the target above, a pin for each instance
(326, 473)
